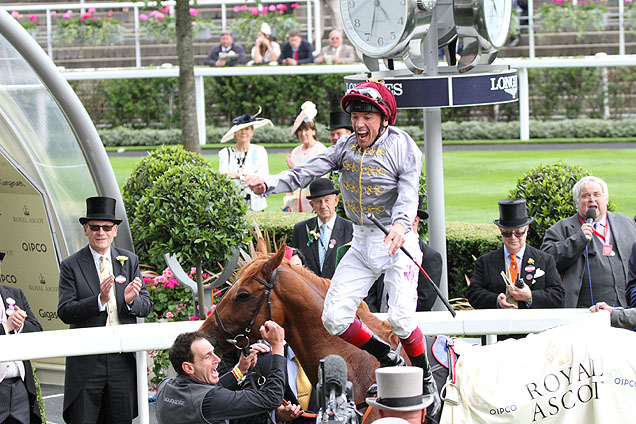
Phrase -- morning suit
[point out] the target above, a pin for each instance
(78, 306)
(566, 243)
(341, 233)
(30, 325)
(487, 282)
(426, 295)
(213, 56)
(305, 53)
(630, 291)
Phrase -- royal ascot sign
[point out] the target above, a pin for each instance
(570, 374)
(452, 90)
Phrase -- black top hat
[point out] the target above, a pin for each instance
(2, 256)
(421, 213)
(321, 187)
(339, 120)
(512, 214)
(100, 209)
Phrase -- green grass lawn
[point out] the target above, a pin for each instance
(475, 180)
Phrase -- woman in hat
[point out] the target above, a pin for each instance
(265, 49)
(305, 130)
(244, 157)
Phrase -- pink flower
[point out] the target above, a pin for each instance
(15, 14)
(160, 279)
(194, 318)
(237, 9)
(66, 16)
(154, 13)
(264, 11)
(109, 19)
(53, 13)
(253, 11)
(165, 9)
(294, 5)
(193, 271)
(143, 17)
(281, 6)
(92, 10)
(243, 8)
(147, 279)
(167, 273)
(110, 13)
(272, 8)
(582, 2)
(94, 19)
(194, 12)
(169, 314)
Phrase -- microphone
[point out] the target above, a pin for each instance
(590, 216)
(334, 374)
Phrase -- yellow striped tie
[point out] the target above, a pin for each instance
(303, 387)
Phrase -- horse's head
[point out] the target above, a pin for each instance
(247, 305)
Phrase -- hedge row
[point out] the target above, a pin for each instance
(464, 243)
(471, 130)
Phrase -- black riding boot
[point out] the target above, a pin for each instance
(383, 352)
(429, 388)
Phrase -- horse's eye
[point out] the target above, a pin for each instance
(242, 297)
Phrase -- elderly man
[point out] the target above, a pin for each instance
(400, 394)
(592, 248)
(336, 52)
(198, 395)
(380, 167)
(18, 394)
(295, 51)
(339, 126)
(319, 238)
(228, 53)
(100, 285)
(515, 276)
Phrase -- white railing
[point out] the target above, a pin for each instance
(155, 336)
(600, 61)
(313, 17)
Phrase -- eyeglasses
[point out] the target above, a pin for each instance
(106, 228)
(369, 92)
(596, 195)
(517, 233)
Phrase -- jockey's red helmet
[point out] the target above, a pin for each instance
(370, 97)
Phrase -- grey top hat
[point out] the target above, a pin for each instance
(339, 119)
(400, 389)
(321, 187)
(512, 214)
(100, 209)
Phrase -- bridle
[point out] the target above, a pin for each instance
(242, 341)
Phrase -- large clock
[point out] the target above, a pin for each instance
(382, 29)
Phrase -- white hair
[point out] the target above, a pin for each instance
(576, 190)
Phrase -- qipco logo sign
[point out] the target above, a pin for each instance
(31, 247)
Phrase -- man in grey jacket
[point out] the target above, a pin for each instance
(619, 317)
(592, 257)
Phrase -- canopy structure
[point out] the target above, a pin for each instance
(51, 160)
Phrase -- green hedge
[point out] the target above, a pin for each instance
(470, 130)
(464, 243)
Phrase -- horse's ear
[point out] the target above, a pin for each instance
(274, 262)
(261, 246)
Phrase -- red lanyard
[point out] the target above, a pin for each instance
(601, 236)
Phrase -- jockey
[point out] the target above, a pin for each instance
(380, 167)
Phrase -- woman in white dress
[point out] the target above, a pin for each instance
(244, 157)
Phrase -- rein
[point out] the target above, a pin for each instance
(243, 339)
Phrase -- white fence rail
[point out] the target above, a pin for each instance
(154, 336)
(599, 61)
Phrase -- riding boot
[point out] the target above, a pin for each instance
(383, 352)
(429, 385)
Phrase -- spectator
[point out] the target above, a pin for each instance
(336, 52)
(319, 238)
(295, 51)
(400, 394)
(244, 157)
(494, 282)
(339, 125)
(265, 51)
(305, 130)
(603, 248)
(228, 53)
(18, 395)
(619, 317)
(630, 290)
(378, 297)
(195, 395)
(91, 296)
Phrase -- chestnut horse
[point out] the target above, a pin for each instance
(297, 296)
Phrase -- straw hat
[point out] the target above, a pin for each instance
(307, 113)
(400, 389)
(245, 121)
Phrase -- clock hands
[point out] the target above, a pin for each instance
(375, 8)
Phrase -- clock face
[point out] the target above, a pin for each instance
(497, 19)
(375, 27)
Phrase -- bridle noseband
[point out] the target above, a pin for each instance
(242, 341)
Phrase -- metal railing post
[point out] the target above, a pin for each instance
(524, 105)
(531, 29)
(49, 33)
(621, 27)
(200, 106)
(137, 46)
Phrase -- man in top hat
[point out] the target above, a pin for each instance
(515, 276)
(18, 394)
(380, 168)
(319, 238)
(100, 285)
(339, 125)
(400, 394)
(592, 249)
